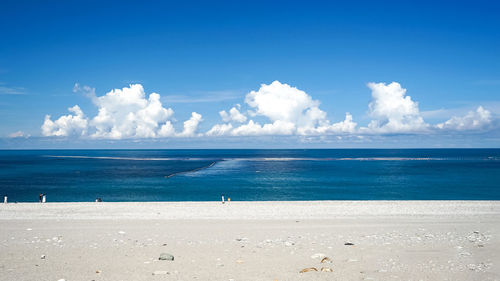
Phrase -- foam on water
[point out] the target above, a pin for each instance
(277, 158)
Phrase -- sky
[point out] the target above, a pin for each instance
(249, 74)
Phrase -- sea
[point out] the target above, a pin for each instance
(250, 174)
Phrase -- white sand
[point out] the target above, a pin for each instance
(393, 240)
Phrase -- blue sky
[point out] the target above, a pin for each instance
(206, 57)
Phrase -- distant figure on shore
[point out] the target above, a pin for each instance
(5, 199)
(44, 198)
(40, 198)
(229, 200)
(98, 199)
(223, 199)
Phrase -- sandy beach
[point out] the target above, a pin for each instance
(356, 240)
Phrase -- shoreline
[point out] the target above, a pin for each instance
(244, 210)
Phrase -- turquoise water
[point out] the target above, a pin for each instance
(204, 175)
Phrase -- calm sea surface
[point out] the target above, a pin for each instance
(204, 175)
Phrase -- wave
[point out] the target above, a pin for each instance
(262, 159)
(132, 158)
(191, 171)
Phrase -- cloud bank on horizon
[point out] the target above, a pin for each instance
(130, 113)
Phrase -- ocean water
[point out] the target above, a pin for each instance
(204, 175)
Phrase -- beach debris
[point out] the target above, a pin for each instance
(29, 229)
(289, 243)
(121, 232)
(42, 257)
(326, 269)
(326, 260)
(348, 244)
(239, 261)
(477, 237)
(98, 271)
(166, 257)
(318, 256)
(478, 267)
(164, 244)
(61, 280)
(309, 269)
(160, 272)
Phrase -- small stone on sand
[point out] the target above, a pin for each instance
(166, 257)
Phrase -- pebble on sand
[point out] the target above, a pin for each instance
(166, 257)
(326, 269)
(160, 272)
(349, 244)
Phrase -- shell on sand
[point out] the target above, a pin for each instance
(318, 256)
(308, 269)
(326, 269)
(326, 259)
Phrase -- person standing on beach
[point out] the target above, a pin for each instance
(223, 199)
(40, 198)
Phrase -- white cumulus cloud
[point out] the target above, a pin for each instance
(122, 113)
(289, 111)
(473, 120)
(66, 125)
(282, 102)
(220, 130)
(274, 109)
(233, 115)
(127, 113)
(343, 127)
(393, 111)
(191, 125)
